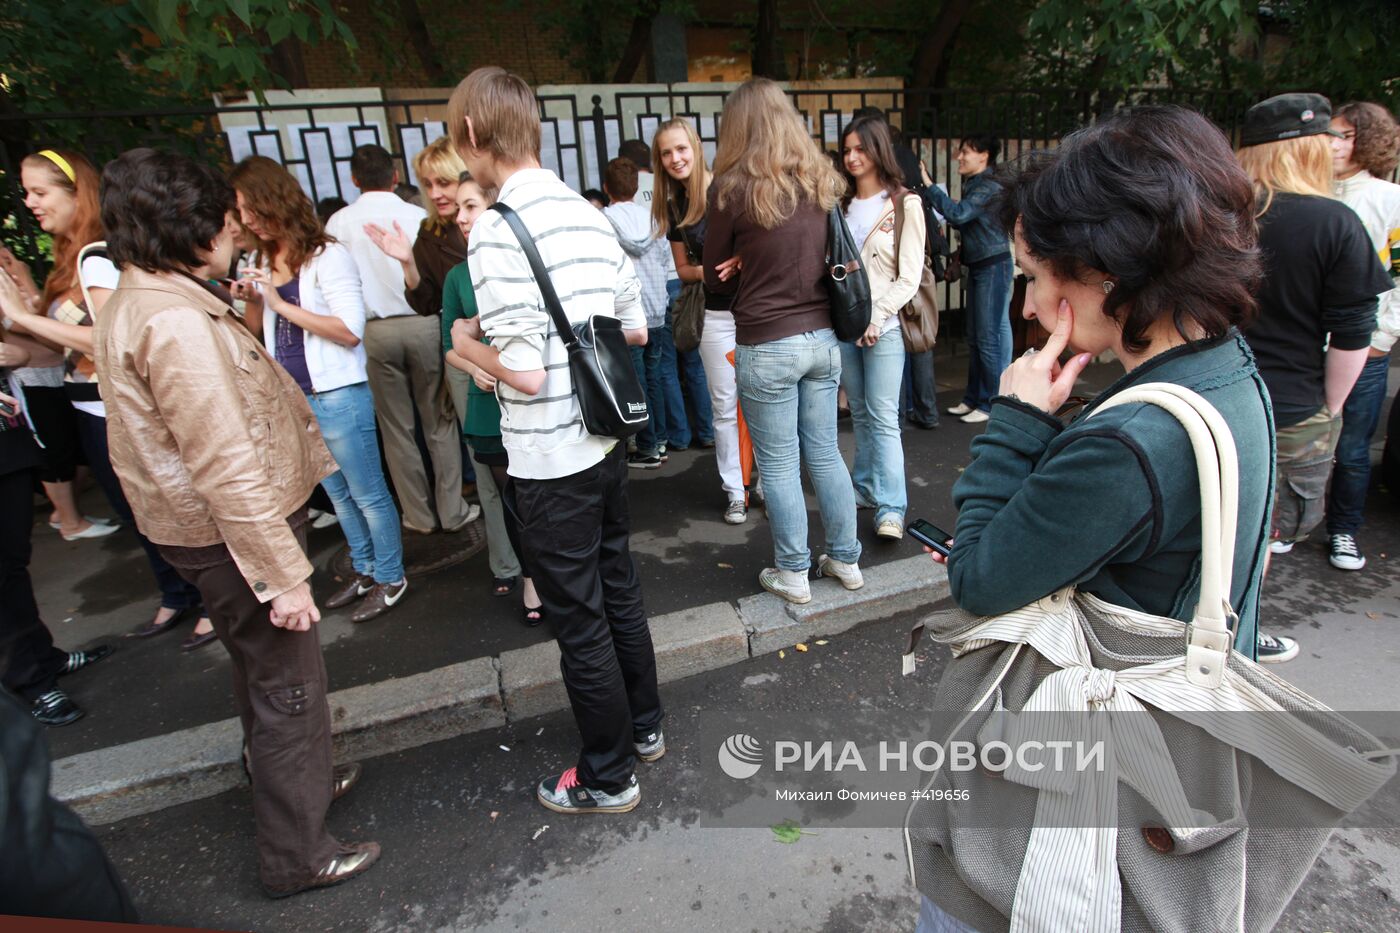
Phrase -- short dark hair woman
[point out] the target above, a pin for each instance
(1137, 236)
(986, 257)
(218, 450)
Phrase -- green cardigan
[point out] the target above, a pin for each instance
(483, 417)
(1112, 503)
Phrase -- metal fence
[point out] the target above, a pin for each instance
(580, 132)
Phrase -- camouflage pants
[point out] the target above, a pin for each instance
(1305, 453)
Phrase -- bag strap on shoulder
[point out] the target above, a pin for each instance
(1208, 638)
(541, 274)
(98, 248)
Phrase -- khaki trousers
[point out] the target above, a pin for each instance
(405, 372)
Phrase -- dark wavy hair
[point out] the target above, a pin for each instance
(276, 197)
(1153, 198)
(162, 210)
(1377, 144)
(874, 135)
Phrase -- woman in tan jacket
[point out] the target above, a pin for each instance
(217, 450)
(872, 368)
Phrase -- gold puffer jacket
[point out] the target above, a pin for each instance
(213, 441)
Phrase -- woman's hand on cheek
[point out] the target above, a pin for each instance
(1037, 378)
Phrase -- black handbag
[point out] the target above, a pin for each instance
(846, 281)
(611, 399)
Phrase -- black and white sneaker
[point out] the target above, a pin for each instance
(563, 793)
(77, 660)
(55, 709)
(641, 461)
(651, 746)
(736, 513)
(1275, 649)
(1344, 554)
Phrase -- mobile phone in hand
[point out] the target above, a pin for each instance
(8, 411)
(927, 533)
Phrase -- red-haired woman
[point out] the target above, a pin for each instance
(61, 191)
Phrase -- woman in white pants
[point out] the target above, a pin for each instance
(678, 207)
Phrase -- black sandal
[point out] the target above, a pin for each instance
(504, 586)
(536, 609)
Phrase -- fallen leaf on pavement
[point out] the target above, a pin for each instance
(539, 832)
(822, 641)
(781, 655)
(788, 831)
(800, 647)
(505, 748)
(1373, 615)
(724, 566)
(494, 814)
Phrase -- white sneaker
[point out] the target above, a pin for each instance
(1280, 546)
(976, 416)
(1275, 649)
(736, 513)
(891, 528)
(961, 408)
(93, 530)
(324, 519)
(789, 584)
(848, 574)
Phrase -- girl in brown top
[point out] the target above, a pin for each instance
(769, 202)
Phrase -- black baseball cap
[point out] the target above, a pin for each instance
(1287, 116)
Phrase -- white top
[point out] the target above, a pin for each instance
(863, 213)
(544, 433)
(381, 277)
(861, 217)
(328, 284)
(97, 272)
(645, 182)
(1377, 203)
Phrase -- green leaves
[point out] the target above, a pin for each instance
(789, 831)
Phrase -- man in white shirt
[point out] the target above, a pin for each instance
(568, 488)
(404, 353)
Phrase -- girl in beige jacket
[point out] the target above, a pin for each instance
(873, 367)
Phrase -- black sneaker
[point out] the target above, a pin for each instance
(651, 746)
(640, 461)
(563, 793)
(55, 709)
(1343, 553)
(1275, 649)
(77, 660)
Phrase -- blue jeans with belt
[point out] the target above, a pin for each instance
(988, 330)
(361, 497)
(787, 389)
(1351, 475)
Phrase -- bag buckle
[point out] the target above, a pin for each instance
(1206, 654)
(839, 278)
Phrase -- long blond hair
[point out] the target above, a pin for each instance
(1302, 165)
(767, 162)
(665, 189)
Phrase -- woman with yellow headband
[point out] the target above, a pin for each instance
(61, 191)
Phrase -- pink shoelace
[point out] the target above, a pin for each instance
(567, 780)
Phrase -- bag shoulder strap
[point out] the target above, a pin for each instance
(98, 248)
(898, 226)
(541, 274)
(1217, 465)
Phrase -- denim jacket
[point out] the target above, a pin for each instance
(1112, 503)
(981, 234)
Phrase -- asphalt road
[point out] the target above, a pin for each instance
(467, 848)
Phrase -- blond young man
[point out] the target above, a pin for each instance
(569, 488)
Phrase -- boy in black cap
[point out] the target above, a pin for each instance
(1317, 307)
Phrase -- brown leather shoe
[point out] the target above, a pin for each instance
(344, 778)
(354, 858)
(350, 591)
(380, 600)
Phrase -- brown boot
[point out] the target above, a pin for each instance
(354, 858)
(380, 600)
(350, 591)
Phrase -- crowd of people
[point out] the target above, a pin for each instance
(212, 350)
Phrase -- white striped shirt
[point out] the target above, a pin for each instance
(543, 434)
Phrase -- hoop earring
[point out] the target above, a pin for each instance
(1107, 287)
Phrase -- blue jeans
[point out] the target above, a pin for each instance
(872, 377)
(920, 391)
(649, 439)
(787, 390)
(664, 388)
(358, 490)
(988, 331)
(1351, 475)
(703, 427)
